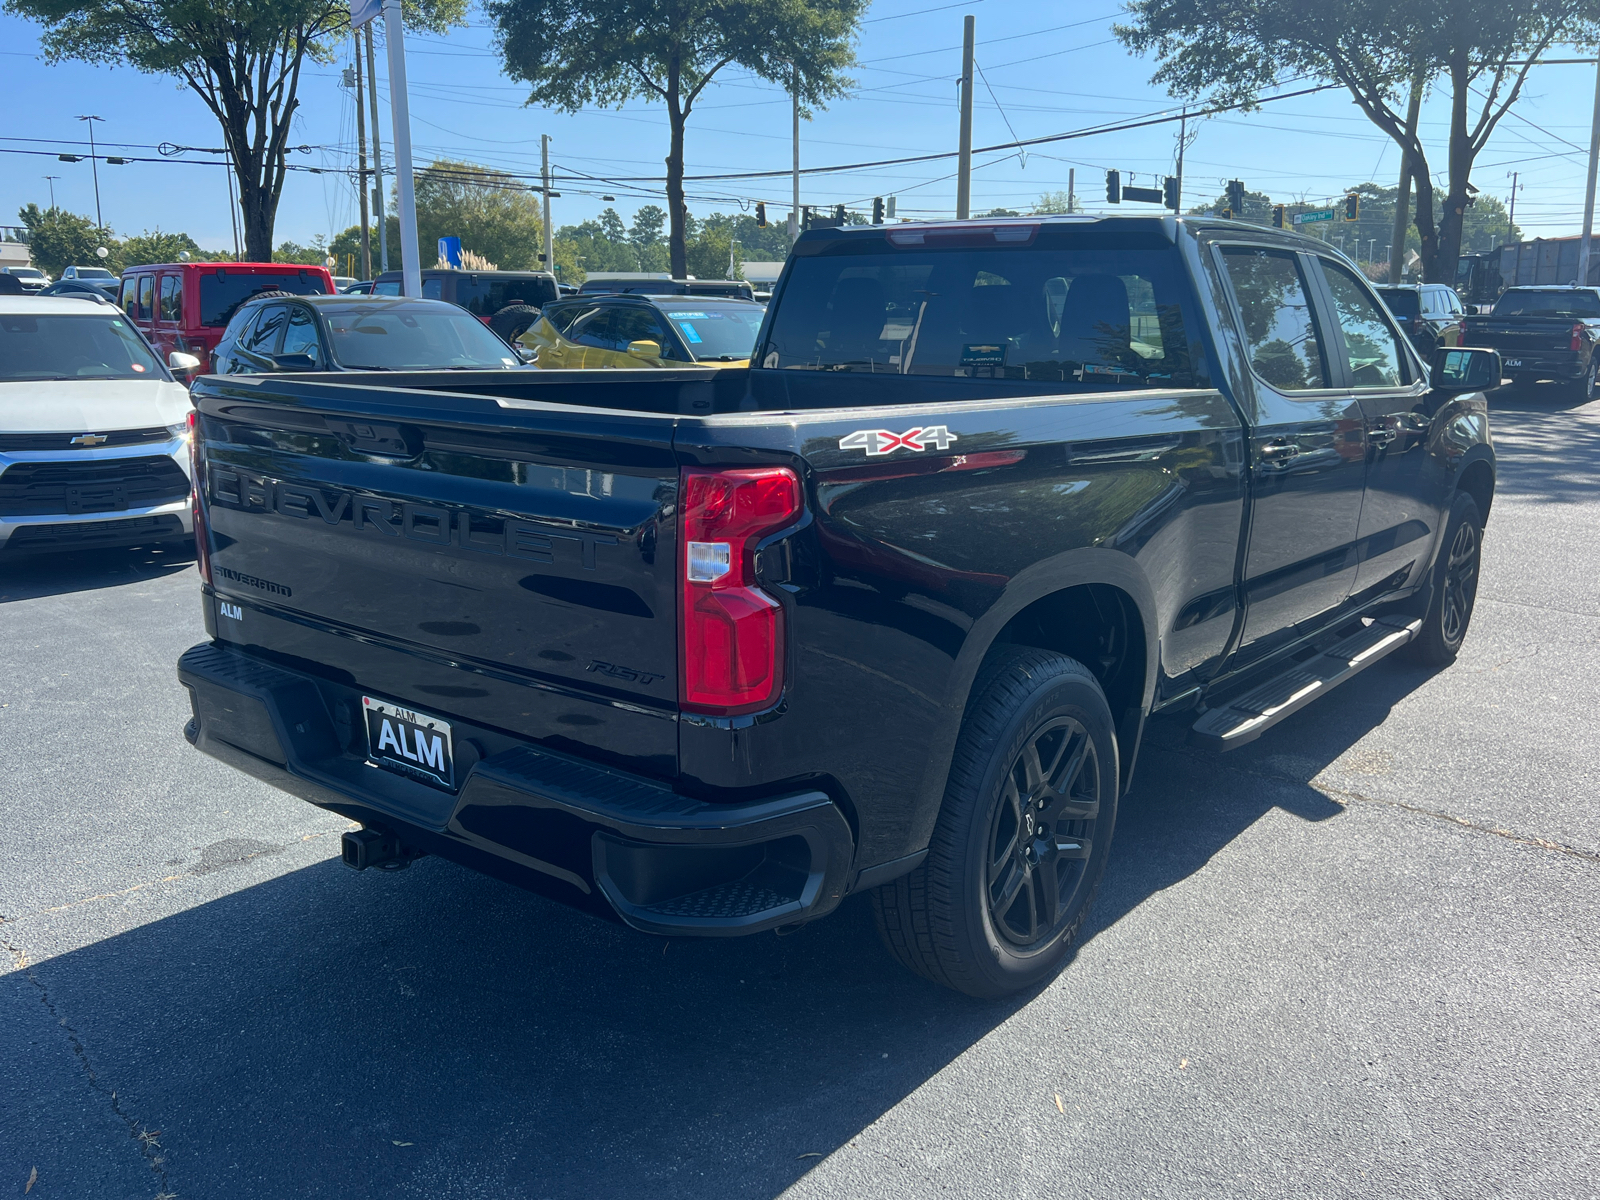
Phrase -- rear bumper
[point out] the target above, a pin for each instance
(597, 838)
(1543, 364)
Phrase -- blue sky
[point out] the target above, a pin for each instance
(1044, 70)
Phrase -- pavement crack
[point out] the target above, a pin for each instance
(143, 1138)
(1342, 796)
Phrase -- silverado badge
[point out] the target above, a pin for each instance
(881, 441)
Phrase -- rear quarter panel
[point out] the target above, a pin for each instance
(913, 562)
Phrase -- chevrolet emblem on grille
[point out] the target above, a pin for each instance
(89, 439)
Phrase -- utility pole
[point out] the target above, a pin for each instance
(1402, 200)
(94, 165)
(1183, 138)
(52, 181)
(964, 167)
(399, 102)
(1511, 216)
(377, 154)
(549, 234)
(361, 166)
(1072, 189)
(794, 216)
(1588, 199)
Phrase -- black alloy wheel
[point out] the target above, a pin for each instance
(1455, 587)
(1589, 385)
(1022, 836)
(1042, 833)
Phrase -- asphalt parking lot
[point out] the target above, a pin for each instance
(1360, 957)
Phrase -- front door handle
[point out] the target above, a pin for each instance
(1381, 436)
(1278, 452)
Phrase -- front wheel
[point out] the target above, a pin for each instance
(1588, 387)
(1022, 838)
(1455, 587)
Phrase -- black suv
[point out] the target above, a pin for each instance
(506, 301)
(1430, 314)
(281, 332)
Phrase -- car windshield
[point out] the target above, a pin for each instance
(28, 272)
(717, 332)
(1402, 302)
(1554, 303)
(413, 337)
(87, 345)
(222, 292)
(1085, 315)
(93, 273)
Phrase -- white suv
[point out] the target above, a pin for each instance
(93, 430)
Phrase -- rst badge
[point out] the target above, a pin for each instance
(882, 441)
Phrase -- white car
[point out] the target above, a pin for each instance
(94, 446)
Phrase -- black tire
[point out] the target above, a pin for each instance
(271, 294)
(1588, 388)
(979, 915)
(1455, 587)
(514, 320)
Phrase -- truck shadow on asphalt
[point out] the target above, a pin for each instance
(1544, 444)
(33, 577)
(436, 1032)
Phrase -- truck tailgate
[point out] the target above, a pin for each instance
(1532, 336)
(505, 563)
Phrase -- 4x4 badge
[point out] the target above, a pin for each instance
(882, 441)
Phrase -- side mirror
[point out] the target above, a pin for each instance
(1465, 369)
(645, 349)
(182, 363)
(294, 362)
(525, 353)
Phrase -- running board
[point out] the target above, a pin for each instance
(1247, 717)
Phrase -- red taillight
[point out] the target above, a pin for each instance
(731, 641)
(197, 481)
(1577, 338)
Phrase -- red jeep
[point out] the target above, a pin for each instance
(186, 306)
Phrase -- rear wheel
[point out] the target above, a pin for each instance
(1589, 386)
(1022, 838)
(1455, 587)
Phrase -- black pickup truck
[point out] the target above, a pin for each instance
(1543, 333)
(706, 651)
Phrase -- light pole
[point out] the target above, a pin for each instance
(52, 179)
(94, 165)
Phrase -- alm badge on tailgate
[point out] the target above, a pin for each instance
(408, 742)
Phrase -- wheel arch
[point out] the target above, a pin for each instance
(1477, 479)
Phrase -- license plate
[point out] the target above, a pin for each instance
(1513, 362)
(403, 740)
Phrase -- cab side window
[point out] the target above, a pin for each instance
(1280, 330)
(130, 296)
(1373, 348)
(432, 288)
(594, 330)
(300, 337)
(171, 298)
(262, 337)
(147, 288)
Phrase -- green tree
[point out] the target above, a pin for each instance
(1058, 202)
(243, 58)
(1478, 51)
(575, 53)
(294, 252)
(492, 213)
(57, 239)
(158, 247)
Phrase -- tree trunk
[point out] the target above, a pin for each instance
(1443, 267)
(675, 210)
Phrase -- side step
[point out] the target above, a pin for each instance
(1247, 717)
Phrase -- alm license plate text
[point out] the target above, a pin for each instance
(408, 742)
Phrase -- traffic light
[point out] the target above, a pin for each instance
(1352, 207)
(1169, 193)
(838, 214)
(805, 216)
(1113, 187)
(1280, 220)
(1235, 197)
(761, 214)
(877, 210)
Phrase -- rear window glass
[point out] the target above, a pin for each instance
(1090, 318)
(1402, 302)
(1553, 303)
(222, 294)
